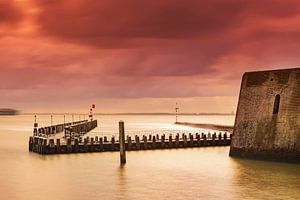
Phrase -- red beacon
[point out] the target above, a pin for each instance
(91, 112)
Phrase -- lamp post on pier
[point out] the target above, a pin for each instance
(176, 111)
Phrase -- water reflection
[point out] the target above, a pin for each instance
(195, 173)
(266, 180)
(122, 183)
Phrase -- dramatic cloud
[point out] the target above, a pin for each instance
(73, 50)
(96, 21)
(9, 12)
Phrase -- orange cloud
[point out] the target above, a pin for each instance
(73, 50)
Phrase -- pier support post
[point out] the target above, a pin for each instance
(30, 143)
(51, 148)
(163, 141)
(191, 137)
(112, 143)
(122, 143)
(57, 145)
(69, 145)
(177, 140)
(154, 142)
(76, 145)
(170, 141)
(213, 139)
(220, 138)
(85, 145)
(137, 142)
(101, 144)
(145, 142)
(225, 138)
(198, 139)
(184, 140)
(44, 146)
(129, 142)
(92, 147)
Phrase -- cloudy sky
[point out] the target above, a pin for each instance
(140, 55)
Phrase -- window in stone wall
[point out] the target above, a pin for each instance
(276, 104)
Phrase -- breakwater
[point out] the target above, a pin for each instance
(146, 142)
(75, 127)
(207, 126)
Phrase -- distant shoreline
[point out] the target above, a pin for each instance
(221, 114)
(207, 126)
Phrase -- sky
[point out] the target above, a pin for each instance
(140, 56)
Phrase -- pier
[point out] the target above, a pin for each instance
(207, 126)
(74, 141)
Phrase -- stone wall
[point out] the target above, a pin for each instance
(265, 129)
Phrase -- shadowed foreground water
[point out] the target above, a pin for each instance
(198, 173)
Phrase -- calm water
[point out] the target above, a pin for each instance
(198, 173)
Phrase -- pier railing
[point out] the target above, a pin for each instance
(70, 129)
(79, 129)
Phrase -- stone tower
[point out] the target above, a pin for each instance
(267, 124)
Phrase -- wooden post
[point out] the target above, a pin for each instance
(170, 140)
(92, 149)
(129, 142)
(112, 143)
(198, 139)
(69, 145)
(225, 138)
(145, 142)
(122, 143)
(191, 140)
(76, 148)
(40, 143)
(220, 138)
(177, 140)
(137, 142)
(184, 140)
(154, 142)
(213, 138)
(101, 144)
(57, 145)
(44, 147)
(162, 141)
(30, 143)
(85, 145)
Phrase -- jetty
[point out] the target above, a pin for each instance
(207, 126)
(70, 138)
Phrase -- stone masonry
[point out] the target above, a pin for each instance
(267, 124)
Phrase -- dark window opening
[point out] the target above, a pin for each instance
(276, 104)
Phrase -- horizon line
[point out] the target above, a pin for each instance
(125, 113)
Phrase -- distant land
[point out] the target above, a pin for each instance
(128, 113)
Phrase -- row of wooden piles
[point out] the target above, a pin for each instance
(99, 144)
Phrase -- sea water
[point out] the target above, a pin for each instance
(193, 173)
